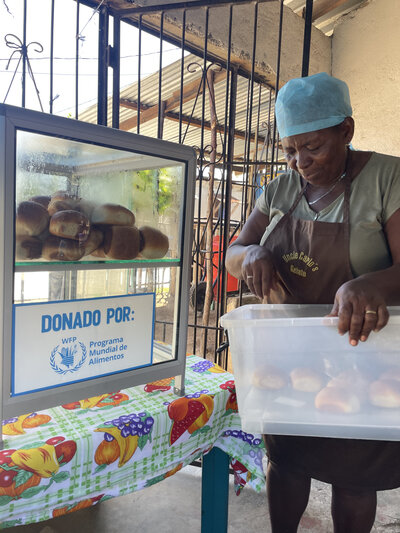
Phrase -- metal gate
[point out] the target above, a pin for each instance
(211, 96)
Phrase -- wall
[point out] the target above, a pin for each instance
(366, 54)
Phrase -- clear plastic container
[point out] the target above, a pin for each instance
(285, 357)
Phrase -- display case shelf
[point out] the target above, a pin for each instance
(48, 266)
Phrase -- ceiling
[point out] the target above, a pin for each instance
(325, 12)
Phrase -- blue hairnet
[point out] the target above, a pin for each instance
(311, 103)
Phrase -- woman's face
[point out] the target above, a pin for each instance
(319, 156)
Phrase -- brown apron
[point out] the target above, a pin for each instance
(312, 259)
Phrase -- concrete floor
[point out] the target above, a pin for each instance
(173, 506)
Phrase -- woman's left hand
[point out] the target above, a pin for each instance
(360, 308)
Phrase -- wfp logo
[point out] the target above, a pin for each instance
(68, 359)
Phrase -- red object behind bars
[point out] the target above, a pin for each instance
(232, 283)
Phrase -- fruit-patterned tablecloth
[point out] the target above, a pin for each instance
(73, 456)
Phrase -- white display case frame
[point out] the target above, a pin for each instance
(13, 119)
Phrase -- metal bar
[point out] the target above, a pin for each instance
(251, 108)
(102, 68)
(307, 38)
(209, 268)
(257, 128)
(160, 106)
(278, 68)
(182, 71)
(203, 108)
(51, 98)
(245, 173)
(116, 55)
(228, 190)
(200, 180)
(224, 233)
(139, 72)
(246, 154)
(185, 5)
(24, 55)
(255, 169)
(200, 326)
(249, 119)
(268, 125)
(77, 60)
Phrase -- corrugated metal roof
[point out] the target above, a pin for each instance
(191, 134)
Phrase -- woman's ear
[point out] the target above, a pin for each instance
(347, 127)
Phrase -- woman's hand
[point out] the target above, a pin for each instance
(361, 309)
(258, 270)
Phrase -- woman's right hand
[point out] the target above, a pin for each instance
(258, 271)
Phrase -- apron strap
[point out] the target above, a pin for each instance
(297, 200)
(346, 210)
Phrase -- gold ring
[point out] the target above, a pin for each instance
(370, 312)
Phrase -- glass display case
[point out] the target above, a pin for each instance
(96, 246)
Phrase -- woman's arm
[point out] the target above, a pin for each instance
(247, 260)
(372, 291)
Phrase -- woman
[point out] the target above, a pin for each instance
(341, 209)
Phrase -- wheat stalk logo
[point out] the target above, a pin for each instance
(67, 359)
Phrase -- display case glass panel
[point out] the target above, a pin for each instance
(42, 287)
(94, 203)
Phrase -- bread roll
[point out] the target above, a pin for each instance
(65, 195)
(269, 377)
(70, 224)
(153, 243)
(121, 242)
(306, 379)
(112, 215)
(385, 393)
(45, 233)
(85, 207)
(60, 194)
(58, 249)
(337, 400)
(93, 241)
(27, 247)
(62, 201)
(99, 253)
(352, 378)
(32, 218)
(42, 200)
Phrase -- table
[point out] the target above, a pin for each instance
(73, 456)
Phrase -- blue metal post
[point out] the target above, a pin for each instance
(214, 492)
